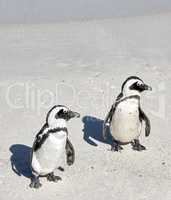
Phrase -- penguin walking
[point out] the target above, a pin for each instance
(126, 116)
(51, 144)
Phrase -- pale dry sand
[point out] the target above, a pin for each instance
(82, 65)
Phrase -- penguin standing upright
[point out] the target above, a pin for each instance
(126, 116)
(51, 144)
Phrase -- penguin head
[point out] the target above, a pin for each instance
(133, 85)
(58, 116)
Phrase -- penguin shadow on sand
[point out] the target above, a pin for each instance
(93, 130)
(20, 160)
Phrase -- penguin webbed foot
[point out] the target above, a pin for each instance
(61, 169)
(35, 183)
(137, 146)
(51, 177)
(115, 146)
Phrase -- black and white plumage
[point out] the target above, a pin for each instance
(51, 145)
(126, 116)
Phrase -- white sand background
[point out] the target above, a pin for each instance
(82, 65)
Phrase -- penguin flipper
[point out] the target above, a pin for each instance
(40, 138)
(144, 117)
(70, 153)
(107, 121)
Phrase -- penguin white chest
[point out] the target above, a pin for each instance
(125, 126)
(50, 155)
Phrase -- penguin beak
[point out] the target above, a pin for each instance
(147, 87)
(73, 114)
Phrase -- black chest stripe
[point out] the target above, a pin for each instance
(112, 111)
(124, 99)
(41, 138)
(39, 141)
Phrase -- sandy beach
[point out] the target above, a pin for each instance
(82, 65)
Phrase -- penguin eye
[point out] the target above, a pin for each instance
(65, 112)
(61, 114)
(138, 84)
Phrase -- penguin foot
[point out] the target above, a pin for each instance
(116, 146)
(35, 183)
(61, 169)
(51, 177)
(137, 146)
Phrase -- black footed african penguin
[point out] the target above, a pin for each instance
(126, 116)
(51, 145)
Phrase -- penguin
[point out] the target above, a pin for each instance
(51, 144)
(125, 117)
